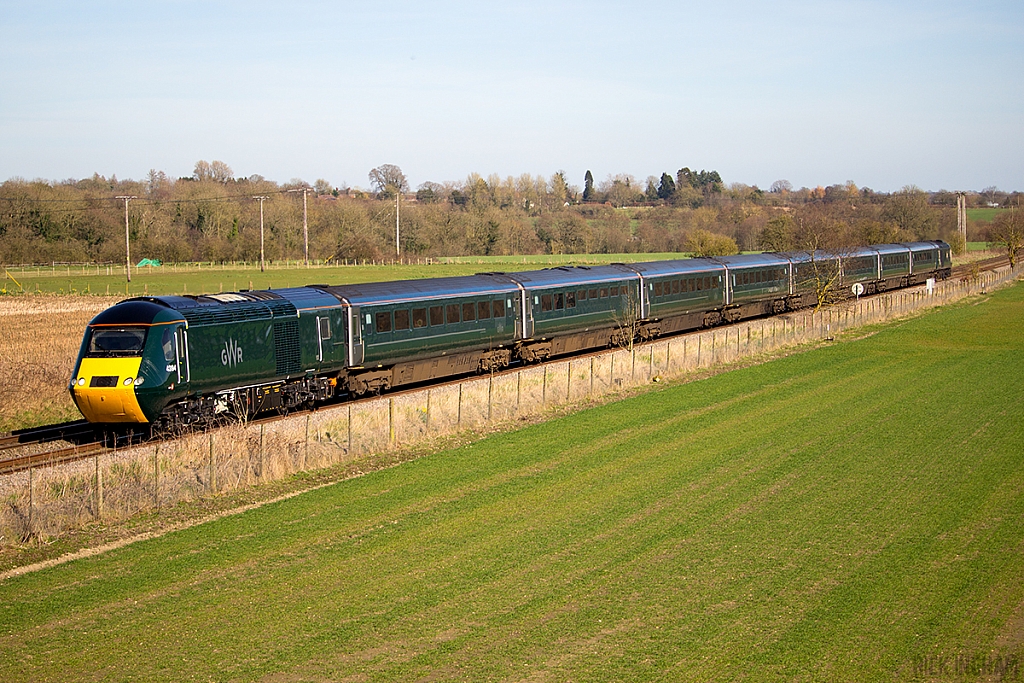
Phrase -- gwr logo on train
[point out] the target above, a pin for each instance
(231, 355)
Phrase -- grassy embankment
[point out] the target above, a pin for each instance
(850, 513)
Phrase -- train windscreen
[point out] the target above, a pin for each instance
(116, 341)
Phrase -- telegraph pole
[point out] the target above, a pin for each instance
(305, 226)
(127, 241)
(398, 233)
(961, 217)
(261, 199)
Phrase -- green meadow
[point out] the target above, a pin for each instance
(851, 513)
(199, 278)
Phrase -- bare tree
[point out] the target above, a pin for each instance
(627, 323)
(388, 180)
(1007, 232)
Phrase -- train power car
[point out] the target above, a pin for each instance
(173, 362)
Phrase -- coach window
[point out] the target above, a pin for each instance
(419, 318)
(570, 300)
(401, 319)
(436, 316)
(483, 309)
(383, 322)
(545, 302)
(559, 301)
(614, 291)
(468, 312)
(707, 283)
(593, 294)
(675, 286)
(698, 284)
(657, 289)
(581, 295)
(452, 314)
(499, 308)
(604, 293)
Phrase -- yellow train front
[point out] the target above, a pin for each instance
(128, 366)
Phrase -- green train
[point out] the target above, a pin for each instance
(179, 362)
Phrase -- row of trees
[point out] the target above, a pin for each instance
(212, 216)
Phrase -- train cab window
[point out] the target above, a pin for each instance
(545, 302)
(167, 344)
(675, 286)
(483, 309)
(468, 312)
(402, 319)
(325, 328)
(116, 341)
(593, 294)
(499, 309)
(436, 316)
(570, 300)
(419, 318)
(383, 322)
(614, 291)
(452, 314)
(559, 301)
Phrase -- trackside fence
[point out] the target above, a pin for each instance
(49, 500)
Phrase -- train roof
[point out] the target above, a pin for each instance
(687, 266)
(765, 260)
(427, 288)
(138, 311)
(571, 276)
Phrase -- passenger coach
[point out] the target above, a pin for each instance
(179, 361)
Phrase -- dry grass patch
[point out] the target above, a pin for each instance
(41, 337)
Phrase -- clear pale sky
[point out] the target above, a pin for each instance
(885, 94)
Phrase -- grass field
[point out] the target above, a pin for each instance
(201, 278)
(986, 214)
(853, 513)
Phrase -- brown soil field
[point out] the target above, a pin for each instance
(40, 340)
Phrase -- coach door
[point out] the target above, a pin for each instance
(524, 315)
(355, 337)
(181, 349)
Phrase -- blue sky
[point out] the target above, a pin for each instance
(882, 93)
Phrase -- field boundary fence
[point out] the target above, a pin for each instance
(47, 501)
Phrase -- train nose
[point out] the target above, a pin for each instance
(104, 390)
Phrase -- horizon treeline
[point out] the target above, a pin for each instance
(213, 216)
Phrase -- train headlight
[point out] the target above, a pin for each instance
(127, 381)
(138, 381)
(81, 381)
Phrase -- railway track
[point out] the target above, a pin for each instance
(85, 442)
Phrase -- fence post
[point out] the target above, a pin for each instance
(156, 477)
(391, 421)
(99, 487)
(31, 500)
(213, 472)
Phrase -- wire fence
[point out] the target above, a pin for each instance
(47, 501)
